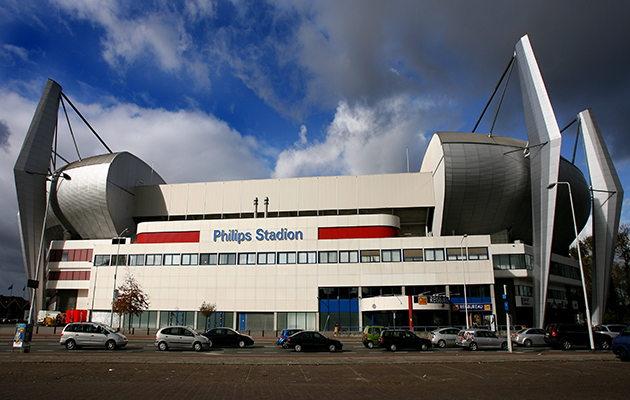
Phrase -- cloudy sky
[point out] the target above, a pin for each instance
(211, 90)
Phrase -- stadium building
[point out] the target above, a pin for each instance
(486, 216)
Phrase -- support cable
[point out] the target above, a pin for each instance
(577, 137)
(495, 91)
(501, 100)
(70, 127)
(87, 123)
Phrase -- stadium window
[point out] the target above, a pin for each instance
(286, 258)
(171, 259)
(411, 255)
(136, 259)
(370, 256)
(391, 255)
(266, 258)
(208, 259)
(434, 254)
(454, 254)
(227, 258)
(154, 259)
(246, 258)
(101, 260)
(327, 257)
(348, 256)
(190, 259)
(478, 253)
(307, 257)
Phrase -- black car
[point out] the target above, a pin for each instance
(394, 339)
(220, 337)
(312, 340)
(566, 336)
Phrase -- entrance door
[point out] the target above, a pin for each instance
(242, 322)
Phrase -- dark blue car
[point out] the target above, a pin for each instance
(285, 334)
(621, 344)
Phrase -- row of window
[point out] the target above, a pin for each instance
(301, 257)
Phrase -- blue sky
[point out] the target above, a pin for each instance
(222, 90)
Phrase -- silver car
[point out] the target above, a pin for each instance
(180, 337)
(474, 339)
(79, 334)
(611, 330)
(529, 337)
(444, 337)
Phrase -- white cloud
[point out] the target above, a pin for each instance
(362, 139)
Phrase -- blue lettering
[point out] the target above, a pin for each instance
(259, 234)
(248, 236)
(217, 234)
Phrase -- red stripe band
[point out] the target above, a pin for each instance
(358, 232)
(169, 237)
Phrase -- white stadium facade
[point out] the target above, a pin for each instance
(484, 214)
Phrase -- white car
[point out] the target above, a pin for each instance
(79, 334)
(474, 339)
(444, 337)
(180, 337)
(611, 330)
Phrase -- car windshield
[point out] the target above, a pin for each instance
(615, 328)
(522, 331)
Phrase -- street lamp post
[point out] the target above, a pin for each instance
(588, 311)
(111, 320)
(461, 247)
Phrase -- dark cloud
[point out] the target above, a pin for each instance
(5, 133)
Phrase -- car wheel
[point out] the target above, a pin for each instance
(504, 346)
(473, 346)
(441, 343)
(163, 346)
(424, 347)
(71, 344)
(298, 348)
(527, 343)
(623, 354)
(604, 344)
(566, 344)
(111, 345)
(197, 346)
(285, 345)
(392, 347)
(241, 344)
(332, 348)
(370, 345)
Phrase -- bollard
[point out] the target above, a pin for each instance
(263, 333)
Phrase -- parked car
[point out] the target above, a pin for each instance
(444, 336)
(475, 338)
(312, 340)
(394, 339)
(621, 344)
(285, 334)
(566, 336)
(611, 330)
(371, 334)
(180, 337)
(91, 334)
(220, 337)
(529, 337)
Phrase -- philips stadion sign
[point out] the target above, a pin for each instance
(233, 235)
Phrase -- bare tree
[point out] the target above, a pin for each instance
(131, 298)
(207, 309)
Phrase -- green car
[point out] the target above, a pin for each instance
(371, 335)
